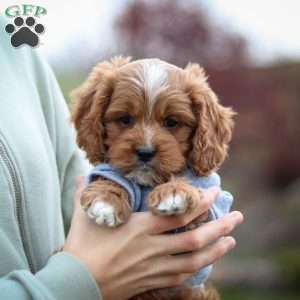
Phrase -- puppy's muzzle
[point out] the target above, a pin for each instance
(145, 154)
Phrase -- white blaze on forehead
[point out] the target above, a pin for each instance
(148, 135)
(155, 79)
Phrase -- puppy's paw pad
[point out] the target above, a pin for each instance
(172, 205)
(103, 213)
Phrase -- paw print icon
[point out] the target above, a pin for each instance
(24, 32)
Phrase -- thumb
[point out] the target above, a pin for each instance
(79, 181)
(79, 185)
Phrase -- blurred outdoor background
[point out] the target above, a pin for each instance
(251, 51)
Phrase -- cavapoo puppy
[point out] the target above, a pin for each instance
(155, 134)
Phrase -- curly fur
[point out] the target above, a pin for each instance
(215, 124)
(182, 293)
(89, 103)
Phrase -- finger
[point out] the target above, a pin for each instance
(200, 237)
(159, 224)
(160, 282)
(79, 182)
(193, 262)
(79, 185)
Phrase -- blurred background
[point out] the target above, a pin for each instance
(251, 51)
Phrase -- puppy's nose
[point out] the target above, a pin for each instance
(145, 154)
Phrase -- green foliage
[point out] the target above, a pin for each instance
(288, 261)
(245, 294)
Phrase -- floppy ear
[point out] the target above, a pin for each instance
(89, 103)
(215, 123)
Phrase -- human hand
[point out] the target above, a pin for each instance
(137, 257)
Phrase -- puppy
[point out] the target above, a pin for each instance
(155, 133)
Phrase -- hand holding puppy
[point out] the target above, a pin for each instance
(108, 253)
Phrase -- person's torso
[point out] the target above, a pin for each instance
(31, 225)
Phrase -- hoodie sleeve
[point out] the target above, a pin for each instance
(108, 172)
(64, 277)
(221, 206)
(223, 203)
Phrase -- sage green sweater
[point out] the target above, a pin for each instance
(39, 161)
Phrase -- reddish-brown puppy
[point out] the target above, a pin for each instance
(151, 120)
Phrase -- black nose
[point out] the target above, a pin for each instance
(145, 154)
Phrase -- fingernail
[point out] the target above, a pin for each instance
(230, 242)
(238, 216)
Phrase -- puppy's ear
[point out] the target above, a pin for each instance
(215, 123)
(89, 103)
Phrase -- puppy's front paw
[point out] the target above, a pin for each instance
(172, 198)
(103, 213)
(106, 202)
(172, 205)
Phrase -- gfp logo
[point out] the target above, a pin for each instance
(25, 29)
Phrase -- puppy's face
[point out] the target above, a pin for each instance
(149, 122)
(151, 119)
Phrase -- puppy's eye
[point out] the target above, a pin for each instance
(126, 120)
(170, 123)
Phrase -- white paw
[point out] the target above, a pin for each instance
(103, 213)
(173, 205)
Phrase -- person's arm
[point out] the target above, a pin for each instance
(70, 159)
